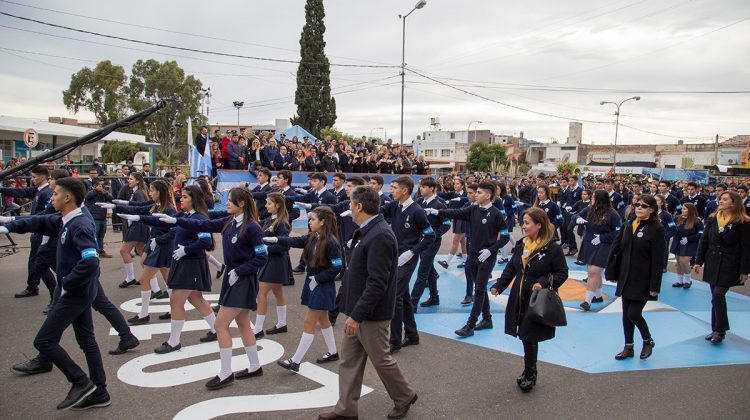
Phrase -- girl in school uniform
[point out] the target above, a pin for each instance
(136, 234)
(322, 254)
(553, 211)
(160, 244)
(278, 268)
(459, 228)
(208, 196)
(685, 242)
(245, 254)
(189, 276)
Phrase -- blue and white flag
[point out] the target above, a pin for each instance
(199, 164)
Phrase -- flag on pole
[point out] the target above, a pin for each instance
(200, 164)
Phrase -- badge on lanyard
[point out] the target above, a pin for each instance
(62, 237)
(407, 225)
(234, 238)
(640, 233)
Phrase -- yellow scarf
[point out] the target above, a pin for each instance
(636, 222)
(529, 247)
(721, 219)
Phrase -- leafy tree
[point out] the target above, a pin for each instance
(485, 157)
(120, 151)
(316, 108)
(570, 167)
(100, 91)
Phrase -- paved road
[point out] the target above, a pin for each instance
(454, 380)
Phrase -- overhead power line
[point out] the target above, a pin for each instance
(195, 50)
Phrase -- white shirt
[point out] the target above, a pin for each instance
(263, 185)
(320, 191)
(42, 187)
(542, 203)
(239, 219)
(486, 207)
(367, 221)
(429, 199)
(337, 191)
(406, 204)
(70, 216)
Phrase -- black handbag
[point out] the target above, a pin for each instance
(546, 308)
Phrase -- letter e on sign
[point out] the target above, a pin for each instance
(31, 138)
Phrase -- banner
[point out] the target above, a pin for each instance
(671, 174)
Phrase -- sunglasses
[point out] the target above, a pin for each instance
(643, 206)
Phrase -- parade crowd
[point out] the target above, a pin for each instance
(359, 253)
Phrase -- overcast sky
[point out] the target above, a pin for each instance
(487, 48)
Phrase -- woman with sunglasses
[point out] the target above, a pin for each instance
(636, 262)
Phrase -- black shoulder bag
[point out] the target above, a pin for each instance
(546, 308)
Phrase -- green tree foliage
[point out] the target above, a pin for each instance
(316, 108)
(120, 151)
(570, 167)
(100, 91)
(338, 135)
(485, 157)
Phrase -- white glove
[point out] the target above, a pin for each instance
(179, 252)
(106, 205)
(596, 240)
(346, 213)
(301, 190)
(568, 209)
(152, 244)
(165, 218)
(130, 217)
(5, 219)
(683, 241)
(62, 292)
(270, 239)
(581, 221)
(455, 199)
(121, 202)
(405, 257)
(558, 204)
(233, 277)
(431, 211)
(45, 239)
(313, 283)
(307, 206)
(484, 254)
(3, 230)
(349, 243)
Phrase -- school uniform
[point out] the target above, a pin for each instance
(340, 194)
(617, 202)
(712, 205)
(458, 225)
(597, 255)
(572, 227)
(510, 206)
(134, 231)
(191, 271)
(693, 236)
(321, 196)
(746, 204)
(161, 255)
(698, 200)
(426, 274)
(553, 212)
(262, 191)
(278, 268)
(673, 204)
(323, 296)
(244, 252)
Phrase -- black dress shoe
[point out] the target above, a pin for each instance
(27, 293)
(161, 294)
(626, 353)
(125, 345)
(571, 253)
(332, 318)
(465, 331)
(484, 325)
(528, 381)
(244, 374)
(443, 264)
(579, 262)
(468, 300)
(139, 321)
(394, 348)
(167, 348)
(298, 269)
(648, 348)
(47, 309)
(430, 302)
(710, 336)
(333, 416)
(717, 338)
(288, 364)
(585, 306)
(32, 367)
(260, 335)
(276, 330)
(328, 357)
(597, 300)
(677, 284)
(220, 273)
(95, 400)
(687, 285)
(410, 341)
(166, 315)
(77, 394)
(209, 337)
(216, 383)
(127, 283)
(461, 264)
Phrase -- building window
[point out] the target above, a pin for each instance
(453, 136)
(445, 153)
(6, 146)
(429, 153)
(568, 148)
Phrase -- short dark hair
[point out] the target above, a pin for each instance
(75, 187)
(366, 178)
(367, 197)
(665, 182)
(721, 185)
(265, 171)
(378, 179)
(742, 187)
(428, 182)
(356, 180)
(692, 184)
(472, 187)
(489, 187)
(320, 176)
(286, 174)
(340, 175)
(40, 170)
(405, 182)
(59, 173)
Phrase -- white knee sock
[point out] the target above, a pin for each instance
(680, 278)
(598, 292)
(129, 271)
(259, 320)
(226, 362)
(589, 296)
(214, 262)
(304, 345)
(281, 316)
(155, 285)
(175, 330)
(210, 319)
(252, 357)
(686, 278)
(449, 259)
(330, 340)
(145, 297)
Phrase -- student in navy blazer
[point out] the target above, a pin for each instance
(339, 186)
(261, 190)
(78, 274)
(544, 202)
(685, 242)
(667, 221)
(322, 253)
(244, 255)
(317, 193)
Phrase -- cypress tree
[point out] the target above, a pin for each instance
(316, 109)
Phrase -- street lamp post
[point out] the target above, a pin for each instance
(420, 4)
(468, 131)
(617, 125)
(238, 105)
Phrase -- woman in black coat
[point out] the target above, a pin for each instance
(725, 250)
(636, 263)
(536, 262)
